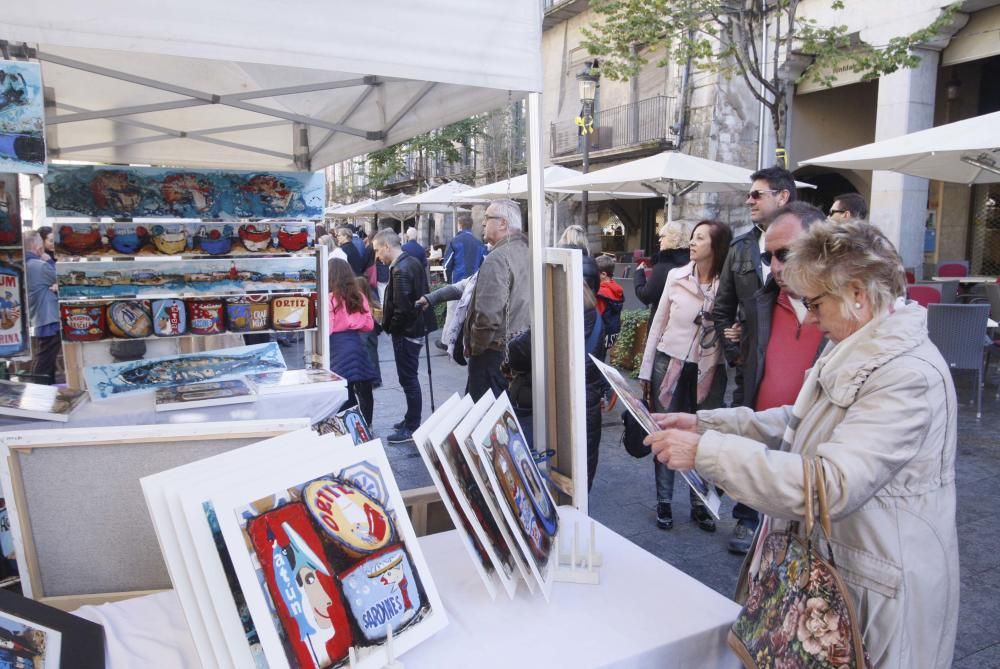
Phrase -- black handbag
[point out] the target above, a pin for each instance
(633, 434)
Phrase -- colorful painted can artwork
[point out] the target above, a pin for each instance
(291, 312)
(82, 322)
(260, 312)
(130, 319)
(293, 239)
(357, 523)
(13, 312)
(314, 626)
(205, 317)
(127, 240)
(383, 593)
(169, 318)
(247, 314)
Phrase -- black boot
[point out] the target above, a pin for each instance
(700, 515)
(664, 516)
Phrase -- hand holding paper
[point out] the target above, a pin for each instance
(675, 448)
(679, 421)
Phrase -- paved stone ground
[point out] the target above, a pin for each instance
(623, 498)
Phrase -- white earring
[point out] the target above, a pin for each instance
(857, 305)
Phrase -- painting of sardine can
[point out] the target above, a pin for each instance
(22, 118)
(525, 502)
(335, 559)
(104, 381)
(28, 645)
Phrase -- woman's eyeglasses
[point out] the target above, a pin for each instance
(812, 303)
(780, 254)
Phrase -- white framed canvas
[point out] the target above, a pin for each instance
(438, 428)
(505, 547)
(34, 400)
(208, 394)
(522, 494)
(195, 553)
(327, 558)
(495, 554)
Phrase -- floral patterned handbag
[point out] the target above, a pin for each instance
(799, 612)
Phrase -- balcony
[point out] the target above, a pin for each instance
(558, 11)
(632, 130)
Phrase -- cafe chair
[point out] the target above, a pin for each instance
(959, 332)
(924, 294)
(953, 268)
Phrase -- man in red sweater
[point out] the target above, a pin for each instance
(781, 347)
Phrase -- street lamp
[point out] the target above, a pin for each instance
(588, 80)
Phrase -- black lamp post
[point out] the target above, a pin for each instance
(588, 80)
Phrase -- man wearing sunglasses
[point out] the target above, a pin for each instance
(742, 276)
(849, 206)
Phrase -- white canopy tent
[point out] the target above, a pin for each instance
(262, 87)
(966, 152)
(452, 192)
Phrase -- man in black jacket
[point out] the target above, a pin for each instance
(742, 276)
(345, 243)
(405, 323)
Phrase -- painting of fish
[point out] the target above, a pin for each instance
(22, 118)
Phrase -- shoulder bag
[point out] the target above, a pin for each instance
(799, 612)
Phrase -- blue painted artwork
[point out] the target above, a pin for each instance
(185, 278)
(104, 381)
(22, 118)
(152, 192)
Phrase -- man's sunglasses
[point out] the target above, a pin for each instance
(834, 212)
(780, 254)
(758, 194)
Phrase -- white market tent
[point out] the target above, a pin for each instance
(965, 152)
(231, 85)
(449, 193)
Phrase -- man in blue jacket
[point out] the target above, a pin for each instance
(462, 259)
(43, 305)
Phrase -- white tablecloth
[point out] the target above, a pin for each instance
(139, 409)
(644, 613)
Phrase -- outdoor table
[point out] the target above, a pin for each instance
(644, 613)
(966, 279)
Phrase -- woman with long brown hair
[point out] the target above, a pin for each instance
(350, 317)
(681, 366)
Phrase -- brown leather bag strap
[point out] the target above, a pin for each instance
(807, 483)
(824, 509)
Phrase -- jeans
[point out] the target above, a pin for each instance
(684, 400)
(407, 363)
(485, 374)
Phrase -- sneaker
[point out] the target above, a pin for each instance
(700, 515)
(664, 516)
(739, 542)
(400, 436)
(399, 426)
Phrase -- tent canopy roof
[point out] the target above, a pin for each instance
(262, 87)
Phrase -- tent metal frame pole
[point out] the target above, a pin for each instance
(410, 104)
(536, 244)
(346, 117)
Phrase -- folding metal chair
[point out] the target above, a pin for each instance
(959, 332)
(956, 268)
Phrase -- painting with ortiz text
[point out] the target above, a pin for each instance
(156, 192)
(14, 342)
(22, 117)
(337, 563)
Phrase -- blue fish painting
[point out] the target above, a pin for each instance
(156, 192)
(22, 116)
(104, 381)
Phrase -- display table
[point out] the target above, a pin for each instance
(644, 613)
(138, 409)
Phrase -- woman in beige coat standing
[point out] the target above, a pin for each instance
(878, 409)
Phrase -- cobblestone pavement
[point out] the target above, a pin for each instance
(623, 498)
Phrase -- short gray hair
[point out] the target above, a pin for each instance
(509, 211)
(411, 234)
(387, 237)
(30, 238)
(343, 231)
(833, 257)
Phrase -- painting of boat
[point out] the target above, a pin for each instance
(169, 243)
(80, 242)
(104, 381)
(214, 242)
(293, 241)
(255, 237)
(128, 242)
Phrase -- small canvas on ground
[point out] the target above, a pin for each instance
(705, 492)
(211, 393)
(293, 380)
(33, 400)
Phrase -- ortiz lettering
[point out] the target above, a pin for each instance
(325, 497)
(382, 612)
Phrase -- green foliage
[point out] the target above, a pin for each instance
(445, 142)
(622, 353)
(725, 36)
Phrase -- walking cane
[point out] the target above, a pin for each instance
(430, 378)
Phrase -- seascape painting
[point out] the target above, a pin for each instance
(335, 561)
(75, 239)
(185, 278)
(154, 192)
(22, 117)
(104, 381)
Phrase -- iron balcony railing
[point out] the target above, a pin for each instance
(639, 122)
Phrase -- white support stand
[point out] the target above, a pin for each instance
(580, 568)
(391, 662)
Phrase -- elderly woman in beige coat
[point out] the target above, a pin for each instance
(878, 409)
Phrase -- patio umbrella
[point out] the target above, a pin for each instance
(445, 194)
(517, 187)
(966, 152)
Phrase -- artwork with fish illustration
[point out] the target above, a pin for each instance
(326, 544)
(185, 278)
(104, 381)
(151, 192)
(22, 118)
(88, 239)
